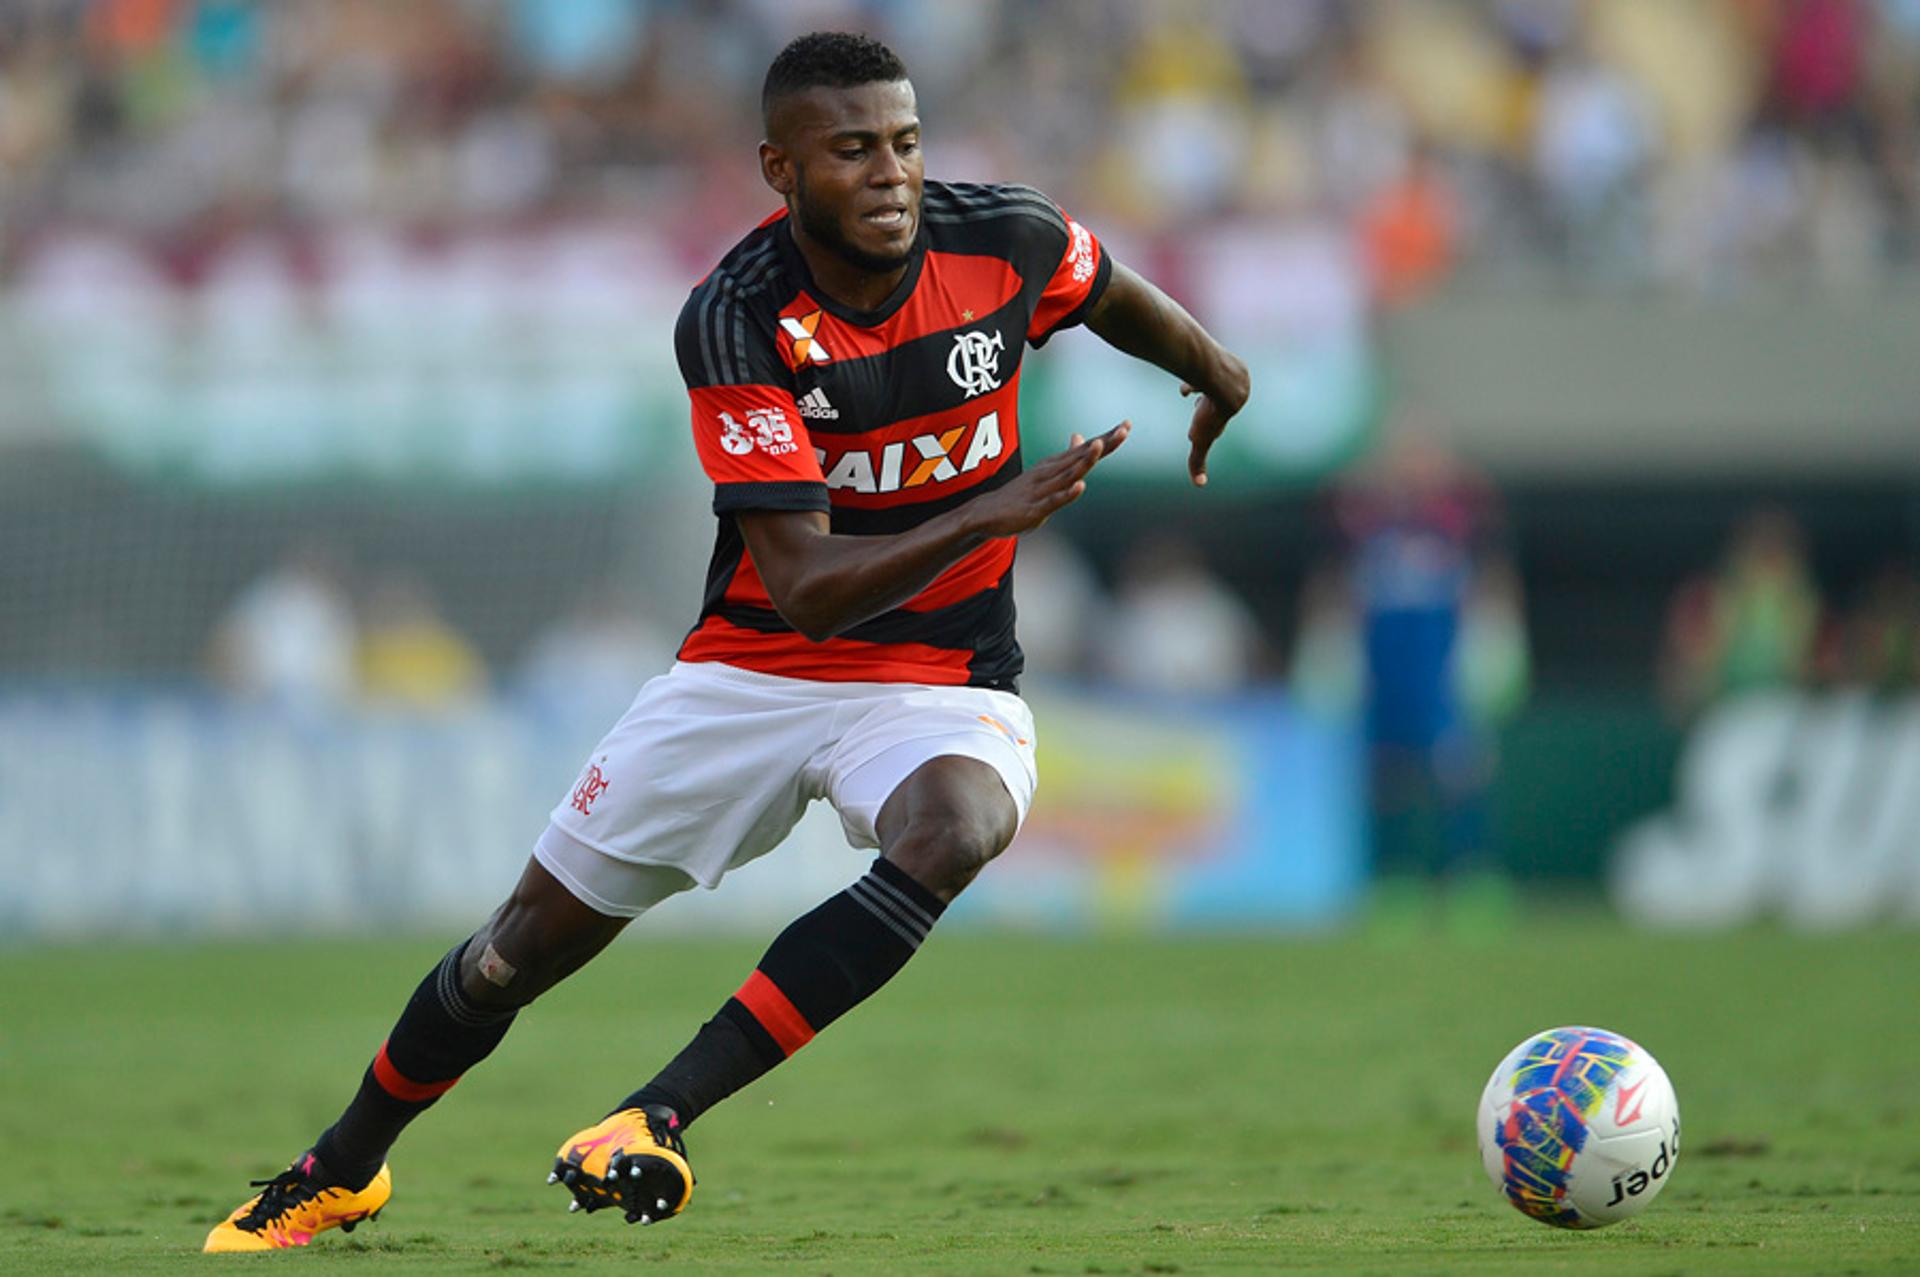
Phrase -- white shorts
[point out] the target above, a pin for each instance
(713, 765)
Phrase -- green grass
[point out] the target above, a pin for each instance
(1009, 1105)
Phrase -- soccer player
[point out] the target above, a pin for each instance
(854, 368)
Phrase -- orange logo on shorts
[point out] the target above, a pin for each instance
(1001, 727)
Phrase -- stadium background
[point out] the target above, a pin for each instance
(345, 492)
(345, 499)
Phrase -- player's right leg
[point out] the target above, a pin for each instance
(938, 779)
(458, 1014)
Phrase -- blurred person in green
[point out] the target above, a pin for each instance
(1750, 626)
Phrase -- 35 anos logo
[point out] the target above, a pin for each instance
(1082, 252)
(974, 361)
(766, 429)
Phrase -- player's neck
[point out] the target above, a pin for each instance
(852, 286)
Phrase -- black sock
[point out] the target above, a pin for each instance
(441, 1034)
(817, 970)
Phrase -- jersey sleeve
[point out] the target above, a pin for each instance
(747, 428)
(1076, 268)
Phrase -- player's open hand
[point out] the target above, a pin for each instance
(1032, 498)
(1214, 408)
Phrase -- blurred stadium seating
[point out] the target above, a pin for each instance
(319, 312)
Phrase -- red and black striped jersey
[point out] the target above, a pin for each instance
(881, 419)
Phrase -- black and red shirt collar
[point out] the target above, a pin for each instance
(796, 263)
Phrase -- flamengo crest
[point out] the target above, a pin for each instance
(974, 362)
(591, 786)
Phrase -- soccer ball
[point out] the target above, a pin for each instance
(1579, 1127)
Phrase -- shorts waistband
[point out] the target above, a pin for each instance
(724, 672)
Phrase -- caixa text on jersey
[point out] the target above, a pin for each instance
(909, 463)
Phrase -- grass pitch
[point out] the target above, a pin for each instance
(1008, 1105)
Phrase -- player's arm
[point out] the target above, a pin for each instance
(823, 584)
(1134, 316)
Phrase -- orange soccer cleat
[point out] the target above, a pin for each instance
(634, 1160)
(296, 1205)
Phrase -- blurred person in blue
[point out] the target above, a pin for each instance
(852, 367)
(1443, 658)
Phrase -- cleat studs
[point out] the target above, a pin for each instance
(645, 1220)
(573, 1206)
(634, 1171)
(553, 1177)
(660, 1204)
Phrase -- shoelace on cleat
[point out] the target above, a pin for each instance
(666, 1136)
(284, 1192)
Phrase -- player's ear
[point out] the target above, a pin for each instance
(776, 168)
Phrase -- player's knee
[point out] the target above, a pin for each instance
(507, 964)
(945, 852)
(538, 938)
(493, 979)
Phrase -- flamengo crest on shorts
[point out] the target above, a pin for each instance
(880, 419)
(712, 765)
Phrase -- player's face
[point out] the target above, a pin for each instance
(856, 172)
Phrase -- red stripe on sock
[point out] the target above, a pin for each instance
(777, 1016)
(402, 1087)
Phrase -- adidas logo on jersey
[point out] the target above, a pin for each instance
(814, 404)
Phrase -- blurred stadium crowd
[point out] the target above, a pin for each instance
(1694, 143)
(336, 372)
(225, 159)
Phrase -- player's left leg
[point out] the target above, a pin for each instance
(455, 1018)
(936, 829)
(539, 936)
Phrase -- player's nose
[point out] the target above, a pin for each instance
(888, 169)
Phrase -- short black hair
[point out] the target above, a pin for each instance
(829, 59)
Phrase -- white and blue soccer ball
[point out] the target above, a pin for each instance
(1579, 1127)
